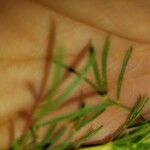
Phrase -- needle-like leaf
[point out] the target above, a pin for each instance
(95, 68)
(58, 72)
(104, 65)
(122, 72)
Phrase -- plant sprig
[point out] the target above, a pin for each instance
(81, 117)
(104, 62)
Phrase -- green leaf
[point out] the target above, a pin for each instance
(104, 65)
(122, 72)
(58, 72)
(95, 68)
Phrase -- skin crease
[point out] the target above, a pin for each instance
(22, 55)
(111, 16)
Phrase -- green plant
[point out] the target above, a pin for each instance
(132, 136)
